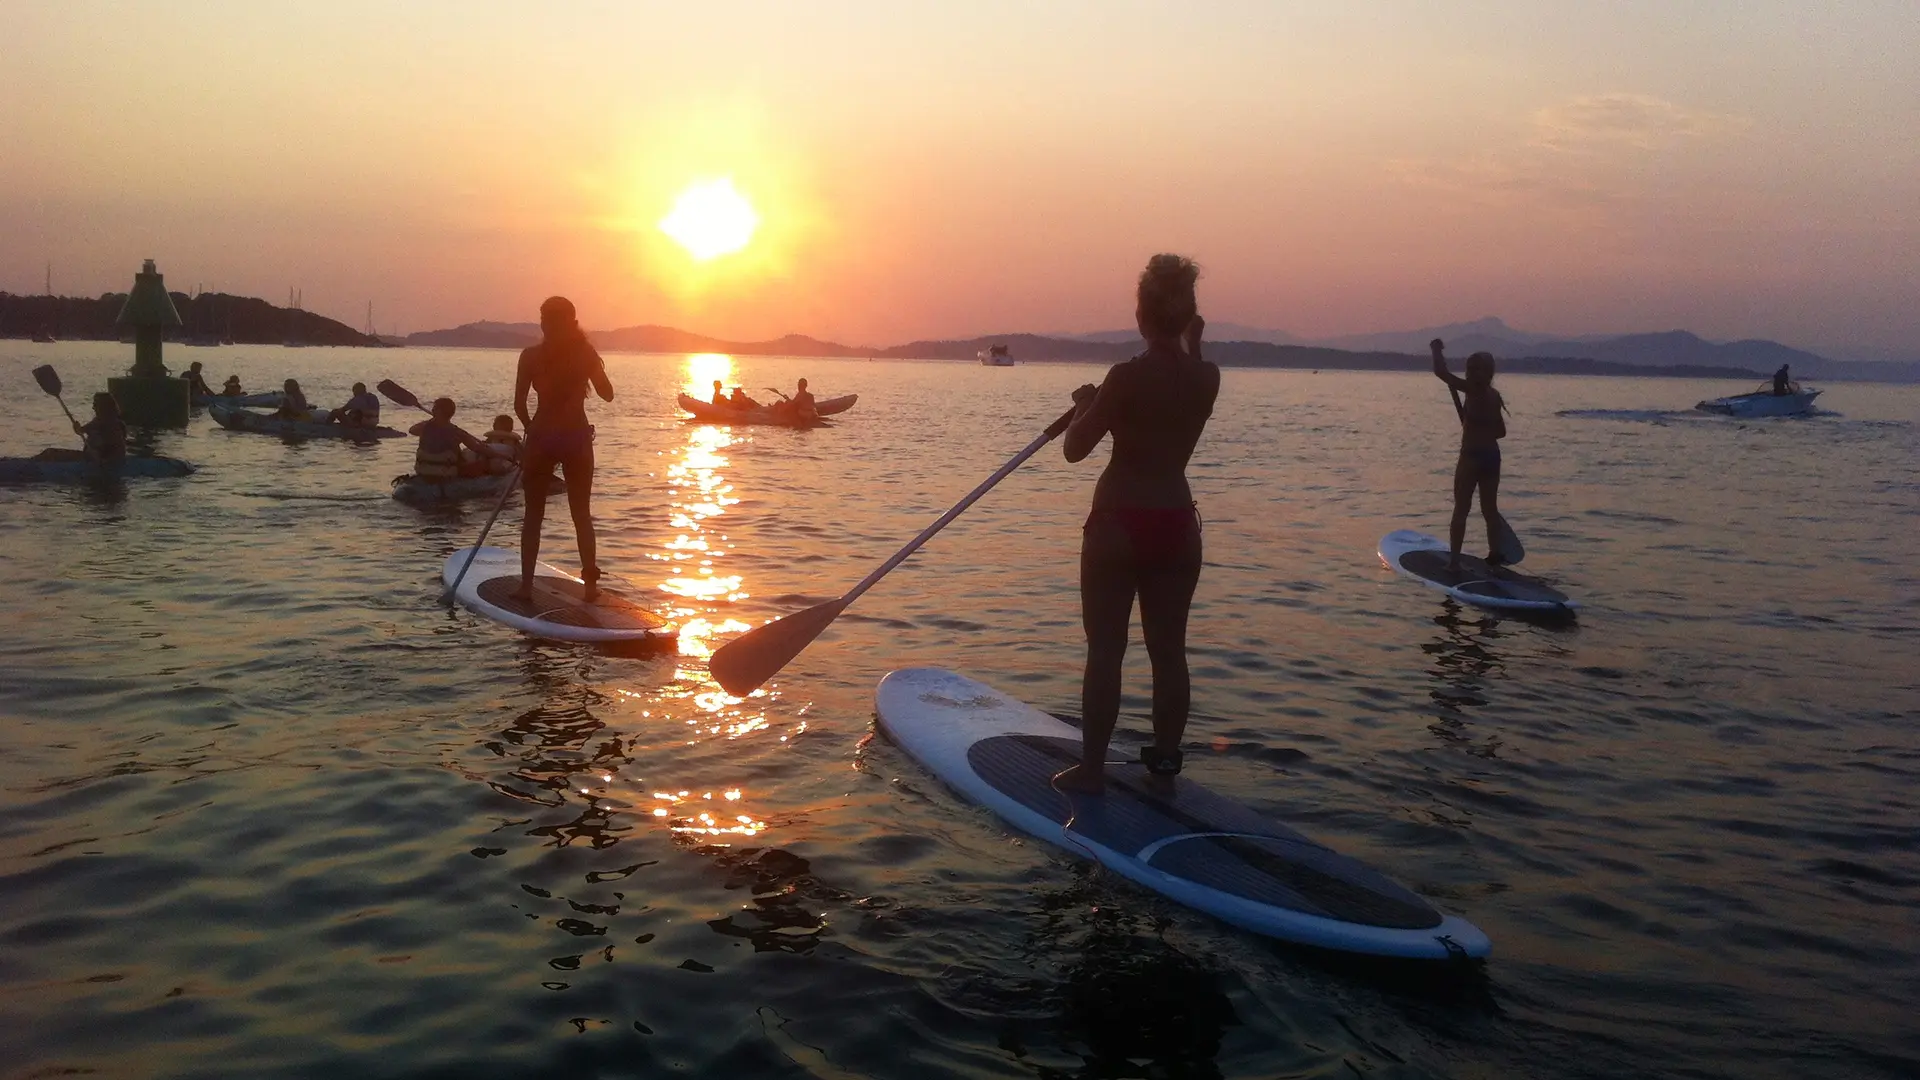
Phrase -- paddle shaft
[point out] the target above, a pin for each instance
(1053, 431)
(505, 494)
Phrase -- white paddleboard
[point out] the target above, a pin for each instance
(557, 612)
(1424, 559)
(1199, 848)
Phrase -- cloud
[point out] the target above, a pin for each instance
(1623, 121)
(1579, 156)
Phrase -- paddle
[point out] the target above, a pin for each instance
(49, 381)
(757, 655)
(1504, 542)
(400, 395)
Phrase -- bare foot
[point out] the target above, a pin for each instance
(524, 593)
(1453, 566)
(590, 586)
(1080, 781)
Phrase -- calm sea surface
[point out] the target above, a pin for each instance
(267, 810)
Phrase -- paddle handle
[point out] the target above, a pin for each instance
(512, 479)
(1053, 431)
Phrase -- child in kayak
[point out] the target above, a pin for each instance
(505, 441)
(231, 388)
(437, 459)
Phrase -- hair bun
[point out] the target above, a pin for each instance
(1167, 303)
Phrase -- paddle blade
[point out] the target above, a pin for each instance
(48, 379)
(1506, 545)
(741, 665)
(398, 394)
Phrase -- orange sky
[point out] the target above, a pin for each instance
(945, 169)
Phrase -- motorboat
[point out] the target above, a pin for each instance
(1763, 402)
(997, 356)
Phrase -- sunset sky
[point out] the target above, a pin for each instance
(920, 168)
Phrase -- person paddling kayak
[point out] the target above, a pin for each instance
(105, 435)
(1143, 536)
(558, 370)
(361, 410)
(437, 459)
(295, 407)
(1481, 429)
(196, 382)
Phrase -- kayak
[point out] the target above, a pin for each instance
(417, 492)
(28, 470)
(710, 413)
(272, 399)
(241, 420)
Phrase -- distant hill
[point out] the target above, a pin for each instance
(1224, 331)
(1675, 353)
(210, 317)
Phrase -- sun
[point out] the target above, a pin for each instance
(711, 219)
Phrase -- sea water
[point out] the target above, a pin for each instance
(266, 809)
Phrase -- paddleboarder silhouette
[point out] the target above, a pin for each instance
(558, 371)
(1143, 536)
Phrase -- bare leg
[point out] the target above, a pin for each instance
(1464, 476)
(579, 473)
(1106, 609)
(1166, 596)
(1490, 505)
(535, 473)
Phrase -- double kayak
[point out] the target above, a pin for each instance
(417, 492)
(1763, 402)
(708, 412)
(272, 399)
(33, 470)
(261, 423)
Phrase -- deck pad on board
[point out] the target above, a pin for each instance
(1477, 575)
(561, 600)
(1198, 835)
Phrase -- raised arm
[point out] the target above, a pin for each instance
(522, 381)
(1440, 365)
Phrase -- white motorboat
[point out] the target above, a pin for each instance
(996, 357)
(1763, 402)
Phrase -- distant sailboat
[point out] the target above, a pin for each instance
(44, 335)
(293, 321)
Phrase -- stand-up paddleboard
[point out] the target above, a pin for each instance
(1199, 848)
(1424, 559)
(557, 611)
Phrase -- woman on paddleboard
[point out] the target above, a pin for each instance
(1481, 429)
(559, 370)
(1143, 536)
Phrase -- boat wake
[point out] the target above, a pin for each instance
(1645, 416)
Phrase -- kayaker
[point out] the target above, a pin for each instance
(559, 370)
(1780, 381)
(231, 388)
(719, 393)
(196, 382)
(295, 406)
(740, 400)
(361, 410)
(1143, 535)
(1481, 429)
(506, 441)
(437, 459)
(105, 435)
(802, 403)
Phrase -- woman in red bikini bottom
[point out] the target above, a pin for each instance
(1143, 536)
(558, 371)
